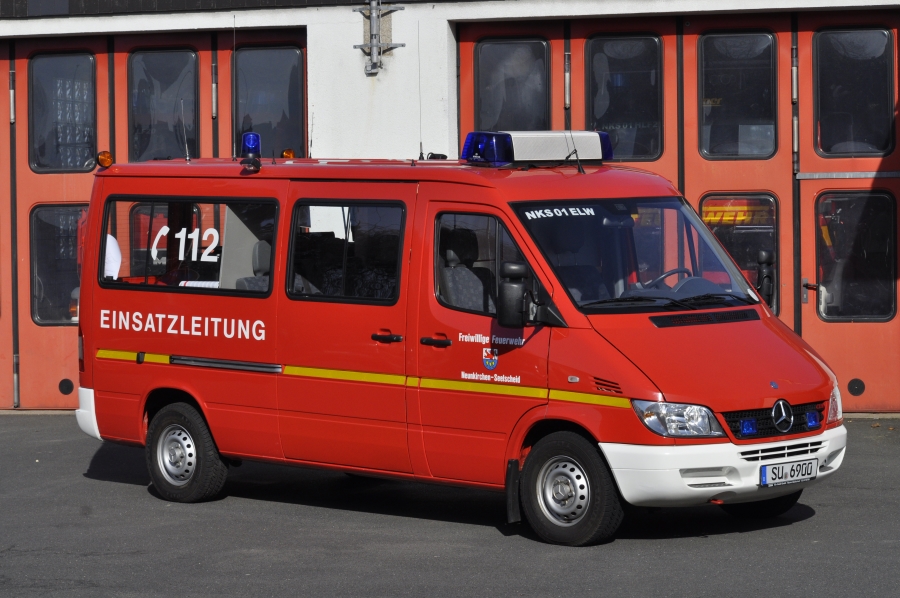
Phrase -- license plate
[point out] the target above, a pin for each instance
(788, 473)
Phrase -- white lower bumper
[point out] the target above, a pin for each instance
(672, 476)
(85, 414)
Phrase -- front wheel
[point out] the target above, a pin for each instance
(183, 460)
(568, 493)
(763, 509)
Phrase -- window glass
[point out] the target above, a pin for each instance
(855, 241)
(625, 94)
(57, 233)
(63, 130)
(737, 94)
(512, 80)
(162, 104)
(269, 99)
(346, 252)
(181, 243)
(744, 225)
(854, 91)
(470, 249)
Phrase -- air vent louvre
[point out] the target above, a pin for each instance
(607, 385)
(782, 452)
(715, 317)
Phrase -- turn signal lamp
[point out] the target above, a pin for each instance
(104, 159)
(488, 148)
(288, 153)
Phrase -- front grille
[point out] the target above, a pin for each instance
(607, 385)
(780, 452)
(715, 317)
(765, 427)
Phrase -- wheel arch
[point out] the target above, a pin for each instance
(547, 419)
(158, 398)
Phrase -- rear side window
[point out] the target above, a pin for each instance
(854, 92)
(162, 105)
(56, 236)
(184, 244)
(512, 79)
(625, 94)
(348, 253)
(62, 116)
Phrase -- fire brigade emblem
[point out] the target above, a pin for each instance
(489, 357)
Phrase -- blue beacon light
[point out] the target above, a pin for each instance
(488, 148)
(250, 149)
(748, 427)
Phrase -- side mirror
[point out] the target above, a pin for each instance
(511, 310)
(765, 275)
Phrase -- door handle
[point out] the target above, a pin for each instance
(435, 342)
(387, 338)
(805, 286)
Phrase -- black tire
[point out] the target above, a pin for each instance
(763, 509)
(182, 457)
(559, 463)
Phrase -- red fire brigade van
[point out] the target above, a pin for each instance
(526, 319)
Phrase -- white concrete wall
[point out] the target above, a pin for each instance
(352, 115)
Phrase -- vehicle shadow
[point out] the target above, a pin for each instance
(335, 490)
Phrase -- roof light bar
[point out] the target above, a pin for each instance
(504, 147)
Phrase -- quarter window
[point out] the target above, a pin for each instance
(180, 244)
(269, 99)
(162, 105)
(512, 85)
(625, 94)
(737, 95)
(56, 236)
(346, 252)
(855, 241)
(62, 123)
(854, 92)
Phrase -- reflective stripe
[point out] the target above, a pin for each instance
(293, 370)
(412, 381)
(498, 389)
(120, 355)
(155, 358)
(581, 397)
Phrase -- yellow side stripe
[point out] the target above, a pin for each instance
(121, 355)
(581, 397)
(497, 389)
(155, 358)
(396, 379)
(412, 381)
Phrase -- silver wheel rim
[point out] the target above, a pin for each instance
(175, 454)
(563, 491)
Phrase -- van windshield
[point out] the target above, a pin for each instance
(628, 255)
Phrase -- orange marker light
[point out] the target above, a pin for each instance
(104, 159)
(288, 153)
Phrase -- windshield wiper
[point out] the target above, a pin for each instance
(720, 297)
(637, 298)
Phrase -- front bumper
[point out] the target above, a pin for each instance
(687, 475)
(85, 415)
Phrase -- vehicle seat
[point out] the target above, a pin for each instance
(583, 281)
(463, 285)
(259, 282)
(112, 261)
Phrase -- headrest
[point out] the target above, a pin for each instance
(262, 256)
(461, 244)
(113, 259)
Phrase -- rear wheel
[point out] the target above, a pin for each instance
(763, 509)
(183, 460)
(568, 493)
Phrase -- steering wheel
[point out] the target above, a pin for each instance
(665, 275)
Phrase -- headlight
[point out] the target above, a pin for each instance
(676, 419)
(835, 409)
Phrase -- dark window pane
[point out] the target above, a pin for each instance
(350, 252)
(744, 225)
(855, 241)
(269, 99)
(625, 94)
(162, 104)
(182, 244)
(63, 131)
(511, 89)
(737, 94)
(55, 263)
(854, 91)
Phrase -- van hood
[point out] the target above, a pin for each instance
(724, 366)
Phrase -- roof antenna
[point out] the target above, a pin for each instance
(187, 152)
(575, 152)
(234, 100)
(419, 65)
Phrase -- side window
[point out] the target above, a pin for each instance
(62, 129)
(182, 243)
(268, 92)
(55, 263)
(349, 253)
(744, 225)
(625, 94)
(162, 104)
(512, 81)
(469, 250)
(855, 244)
(737, 95)
(854, 89)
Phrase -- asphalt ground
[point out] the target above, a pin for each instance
(79, 518)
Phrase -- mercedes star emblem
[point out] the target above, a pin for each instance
(782, 416)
